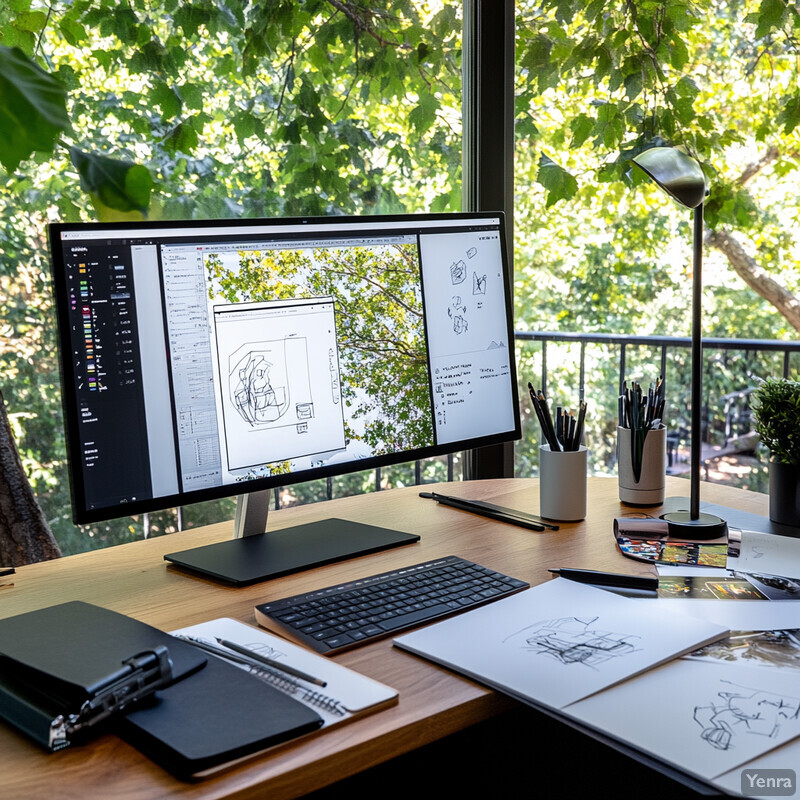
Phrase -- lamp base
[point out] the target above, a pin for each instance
(706, 526)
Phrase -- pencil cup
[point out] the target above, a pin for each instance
(562, 484)
(648, 489)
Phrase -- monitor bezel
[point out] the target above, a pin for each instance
(82, 515)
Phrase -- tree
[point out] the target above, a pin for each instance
(600, 83)
(24, 534)
(209, 108)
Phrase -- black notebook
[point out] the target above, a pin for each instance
(218, 715)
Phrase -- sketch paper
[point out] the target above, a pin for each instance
(703, 718)
(560, 641)
(767, 554)
(739, 615)
(683, 571)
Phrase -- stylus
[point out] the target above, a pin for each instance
(249, 660)
(269, 662)
(490, 511)
(608, 578)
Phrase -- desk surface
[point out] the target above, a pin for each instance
(434, 703)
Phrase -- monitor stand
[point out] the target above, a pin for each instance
(255, 554)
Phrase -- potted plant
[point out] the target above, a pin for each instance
(776, 405)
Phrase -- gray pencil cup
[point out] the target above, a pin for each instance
(646, 488)
(562, 484)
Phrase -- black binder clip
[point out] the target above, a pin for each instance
(138, 678)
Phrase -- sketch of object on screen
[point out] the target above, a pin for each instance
(572, 640)
(457, 313)
(739, 710)
(256, 394)
(458, 272)
(280, 363)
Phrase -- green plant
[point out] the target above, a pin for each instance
(776, 405)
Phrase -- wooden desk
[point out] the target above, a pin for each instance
(434, 703)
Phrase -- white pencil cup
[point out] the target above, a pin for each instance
(562, 484)
(648, 490)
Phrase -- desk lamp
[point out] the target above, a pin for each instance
(681, 177)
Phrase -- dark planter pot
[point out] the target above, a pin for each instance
(784, 493)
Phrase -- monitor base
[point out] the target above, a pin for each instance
(269, 555)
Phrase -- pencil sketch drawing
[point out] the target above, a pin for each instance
(458, 272)
(478, 283)
(740, 710)
(456, 312)
(259, 383)
(575, 640)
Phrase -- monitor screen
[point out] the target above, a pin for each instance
(203, 359)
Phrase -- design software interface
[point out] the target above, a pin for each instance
(210, 354)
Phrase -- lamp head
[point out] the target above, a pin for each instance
(679, 175)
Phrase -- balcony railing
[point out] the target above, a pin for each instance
(732, 368)
(594, 366)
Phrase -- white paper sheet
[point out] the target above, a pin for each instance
(560, 641)
(768, 554)
(703, 718)
(737, 615)
(786, 757)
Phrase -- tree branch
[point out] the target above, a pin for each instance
(756, 277)
(751, 170)
(360, 17)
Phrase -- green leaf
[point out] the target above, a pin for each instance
(182, 138)
(582, 128)
(33, 109)
(789, 115)
(559, 183)
(113, 185)
(423, 115)
(770, 15)
(32, 21)
(73, 32)
(165, 97)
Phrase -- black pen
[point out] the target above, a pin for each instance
(548, 421)
(537, 407)
(269, 662)
(529, 521)
(608, 579)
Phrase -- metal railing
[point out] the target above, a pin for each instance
(725, 412)
(663, 343)
(733, 405)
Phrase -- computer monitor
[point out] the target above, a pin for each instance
(206, 359)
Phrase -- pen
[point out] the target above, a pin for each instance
(523, 520)
(537, 407)
(269, 662)
(548, 421)
(608, 578)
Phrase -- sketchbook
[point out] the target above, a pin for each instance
(703, 718)
(611, 665)
(560, 641)
(347, 694)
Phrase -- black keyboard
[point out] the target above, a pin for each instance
(350, 614)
